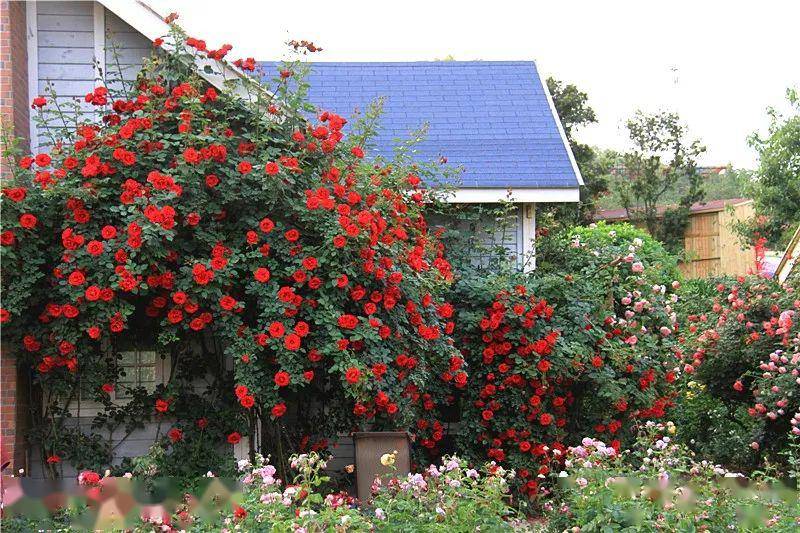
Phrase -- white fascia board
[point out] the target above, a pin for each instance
(150, 23)
(560, 127)
(490, 196)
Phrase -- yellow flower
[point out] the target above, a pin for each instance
(388, 459)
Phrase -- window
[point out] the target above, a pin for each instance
(138, 368)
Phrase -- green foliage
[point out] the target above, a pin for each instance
(715, 430)
(582, 251)
(776, 189)
(741, 342)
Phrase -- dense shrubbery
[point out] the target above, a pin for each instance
(742, 345)
(217, 228)
(585, 250)
(560, 356)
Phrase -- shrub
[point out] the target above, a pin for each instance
(659, 486)
(231, 230)
(742, 347)
(556, 357)
(587, 248)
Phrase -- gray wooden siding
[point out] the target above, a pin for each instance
(126, 50)
(66, 53)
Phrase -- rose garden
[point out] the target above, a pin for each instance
(300, 292)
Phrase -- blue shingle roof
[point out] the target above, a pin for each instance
(493, 118)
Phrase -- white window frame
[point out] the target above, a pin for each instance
(90, 408)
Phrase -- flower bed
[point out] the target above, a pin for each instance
(659, 486)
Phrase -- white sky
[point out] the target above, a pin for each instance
(733, 59)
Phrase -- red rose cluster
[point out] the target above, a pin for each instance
(190, 215)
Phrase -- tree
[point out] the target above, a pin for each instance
(574, 111)
(776, 189)
(661, 158)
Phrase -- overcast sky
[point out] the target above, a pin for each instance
(719, 64)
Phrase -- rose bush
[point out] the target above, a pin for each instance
(564, 355)
(228, 227)
(742, 347)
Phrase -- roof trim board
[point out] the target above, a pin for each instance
(464, 195)
(560, 127)
(147, 21)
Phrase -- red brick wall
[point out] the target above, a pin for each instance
(14, 101)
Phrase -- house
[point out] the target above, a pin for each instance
(711, 243)
(495, 118)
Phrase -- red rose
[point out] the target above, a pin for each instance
(92, 292)
(271, 168)
(352, 375)
(545, 419)
(175, 435)
(310, 263)
(339, 241)
(7, 238)
(292, 342)
(266, 225)
(543, 365)
(262, 274)
(292, 235)
(202, 423)
(76, 278)
(93, 332)
(487, 414)
(245, 167)
(94, 248)
(234, 438)
(108, 388)
(276, 330)
(279, 410)
(348, 321)
(227, 302)
(282, 378)
(162, 405)
(191, 156)
(247, 401)
(239, 513)
(28, 221)
(212, 180)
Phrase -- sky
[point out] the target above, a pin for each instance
(719, 64)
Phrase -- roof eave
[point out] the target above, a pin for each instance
(485, 195)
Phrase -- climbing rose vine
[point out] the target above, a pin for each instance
(234, 228)
(560, 357)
